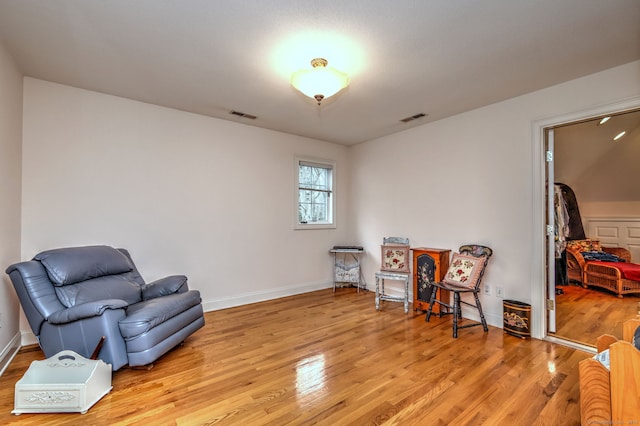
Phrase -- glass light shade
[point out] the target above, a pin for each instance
(319, 82)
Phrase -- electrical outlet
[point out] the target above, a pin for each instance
(499, 292)
(487, 289)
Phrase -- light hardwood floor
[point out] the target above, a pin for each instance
(331, 359)
(585, 314)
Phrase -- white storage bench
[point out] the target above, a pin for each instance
(64, 383)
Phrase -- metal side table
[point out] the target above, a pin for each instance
(347, 273)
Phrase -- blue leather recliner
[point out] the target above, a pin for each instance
(72, 297)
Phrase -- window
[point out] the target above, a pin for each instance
(314, 194)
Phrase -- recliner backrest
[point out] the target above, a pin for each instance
(39, 296)
(91, 273)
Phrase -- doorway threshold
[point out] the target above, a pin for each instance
(571, 344)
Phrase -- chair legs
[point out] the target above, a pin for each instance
(479, 306)
(406, 296)
(457, 311)
(433, 299)
(381, 295)
(378, 292)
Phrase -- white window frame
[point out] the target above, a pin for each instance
(329, 164)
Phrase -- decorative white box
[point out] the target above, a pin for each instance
(64, 383)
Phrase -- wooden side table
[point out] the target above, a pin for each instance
(429, 265)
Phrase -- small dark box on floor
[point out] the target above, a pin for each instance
(516, 318)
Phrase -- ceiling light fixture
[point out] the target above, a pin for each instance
(619, 135)
(604, 120)
(319, 82)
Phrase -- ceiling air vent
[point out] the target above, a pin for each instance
(413, 117)
(243, 115)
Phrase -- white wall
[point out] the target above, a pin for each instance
(474, 178)
(610, 208)
(10, 140)
(185, 194)
(179, 189)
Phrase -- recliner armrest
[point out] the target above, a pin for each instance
(85, 310)
(165, 286)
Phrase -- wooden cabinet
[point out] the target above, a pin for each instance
(429, 265)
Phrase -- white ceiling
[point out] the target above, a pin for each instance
(598, 168)
(439, 57)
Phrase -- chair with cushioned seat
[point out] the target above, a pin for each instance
(395, 266)
(72, 297)
(464, 276)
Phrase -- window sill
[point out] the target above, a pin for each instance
(302, 226)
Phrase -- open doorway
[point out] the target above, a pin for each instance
(604, 175)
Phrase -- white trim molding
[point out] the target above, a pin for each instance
(538, 270)
(262, 296)
(9, 352)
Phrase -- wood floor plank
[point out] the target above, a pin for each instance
(585, 314)
(331, 359)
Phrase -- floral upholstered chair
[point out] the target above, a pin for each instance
(464, 276)
(394, 266)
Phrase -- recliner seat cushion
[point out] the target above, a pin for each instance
(110, 287)
(75, 264)
(164, 335)
(143, 316)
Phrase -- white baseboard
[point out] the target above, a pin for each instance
(28, 338)
(494, 320)
(261, 296)
(9, 352)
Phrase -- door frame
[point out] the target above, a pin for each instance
(539, 321)
(549, 149)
